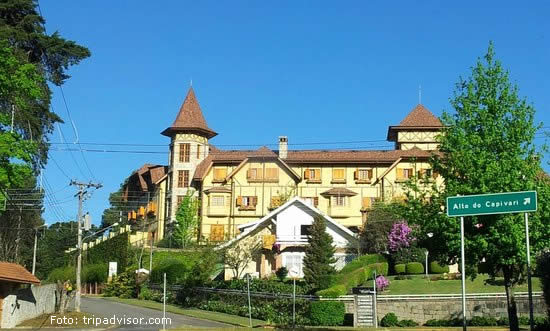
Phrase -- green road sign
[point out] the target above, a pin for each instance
(497, 203)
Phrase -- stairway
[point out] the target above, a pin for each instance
(364, 310)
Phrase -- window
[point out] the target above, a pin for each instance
(305, 230)
(312, 175)
(180, 199)
(363, 175)
(254, 174)
(272, 173)
(404, 173)
(217, 201)
(198, 152)
(338, 201)
(338, 175)
(247, 202)
(185, 150)
(312, 201)
(216, 232)
(293, 261)
(183, 178)
(220, 174)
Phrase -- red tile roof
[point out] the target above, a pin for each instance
(190, 118)
(420, 118)
(13, 272)
(144, 179)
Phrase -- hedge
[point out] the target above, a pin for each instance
(333, 292)
(115, 249)
(399, 268)
(327, 313)
(363, 261)
(381, 268)
(436, 268)
(413, 268)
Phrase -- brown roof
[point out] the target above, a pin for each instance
(218, 189)
(339, 191)
(144, 179)
(190, 118)
(13, 272)
(420, 117)
(263, 152)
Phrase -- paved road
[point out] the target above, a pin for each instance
(102, 308)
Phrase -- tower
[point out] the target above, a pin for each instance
(189, 136)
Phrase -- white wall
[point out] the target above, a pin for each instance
(27, 303)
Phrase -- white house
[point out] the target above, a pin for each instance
(283, 235)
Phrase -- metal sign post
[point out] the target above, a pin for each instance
(375, 317)
(487, 204)
(164, 305)
(249, 304)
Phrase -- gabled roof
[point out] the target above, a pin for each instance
(420, 118)
(253, 227)
(144, 179)
(339, 192)
(190, 118)
(13, 272)
(263, 152)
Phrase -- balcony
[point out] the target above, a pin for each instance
(283, 239)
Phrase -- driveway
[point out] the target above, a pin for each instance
(127, 317)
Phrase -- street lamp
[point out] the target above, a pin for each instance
(427, 252)
(35, 244)
(79, 263)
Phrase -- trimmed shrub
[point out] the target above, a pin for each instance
(407, 323)
(381, 268)
(436, 268)
(483, 321)
(389, 320)
(95, 273)
(123, 285)
(413, 268)
(327, 313)
(399, 268)
(281, 273)
(333, 292)
(363, 261)
(263, 285)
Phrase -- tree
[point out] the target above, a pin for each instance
(57, 238)
(486, 147)
(374, 234)
(238, 256)
(319, 256)
(23, 29)
(187, 220)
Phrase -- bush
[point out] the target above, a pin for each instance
(363, 261)
(543, 269)
(436, 268)
(407, 323)
(122, 285)
(263, 285)
(327, 313)
(381, 268)
(483, 321)
(333, 292)
(145, 293)
(414, 268)
(95, 273)
(399, 268)
(281, 273)
(389, 320)
(190, 269)
(440, 323)
(381, 283)
(62, 274)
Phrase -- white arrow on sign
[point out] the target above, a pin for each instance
(526, 201)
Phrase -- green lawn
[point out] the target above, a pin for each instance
(204, 314)
(420, 285)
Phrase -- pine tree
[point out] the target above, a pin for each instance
(319, 257)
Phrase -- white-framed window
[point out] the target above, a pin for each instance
(338, 201)
(364, 174)
(294, 260)
(217, 201)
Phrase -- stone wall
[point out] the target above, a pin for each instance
(423, 308)
(27, 303)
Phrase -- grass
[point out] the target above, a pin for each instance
(197, 313)
(69, 319)
(420, 285)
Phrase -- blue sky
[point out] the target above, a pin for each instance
(322, 71)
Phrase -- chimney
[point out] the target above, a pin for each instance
(283, 147)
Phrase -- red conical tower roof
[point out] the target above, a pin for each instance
(190, 118)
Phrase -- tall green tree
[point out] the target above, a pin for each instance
(374, 234)
(319, 257)
(487, 146)
(22, 27)
(187, 220)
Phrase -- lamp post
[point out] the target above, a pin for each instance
(427, 252)
(36, 244)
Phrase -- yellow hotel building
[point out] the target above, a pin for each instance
(240, 186)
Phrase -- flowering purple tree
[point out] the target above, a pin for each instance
(382, 283)
(400, 236)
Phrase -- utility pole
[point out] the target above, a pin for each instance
(81, 192)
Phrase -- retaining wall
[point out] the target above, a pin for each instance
(27, 303)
